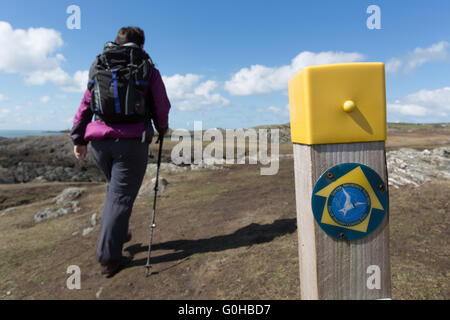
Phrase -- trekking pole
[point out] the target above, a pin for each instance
(152, 225)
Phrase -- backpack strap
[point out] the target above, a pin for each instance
(93, 73)
(105, 61)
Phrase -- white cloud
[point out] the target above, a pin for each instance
(4, 114)
(24, 51)
(437, 52)
(57, 76)
(75, 83)
(3, 98)
(259, 79)
(45, 99)
(177, 85)
(393, 65)
(424, 105)
(276, 110)
(407, 109)
(187, 92)
(419, 56)
(46, 117)
(33, 54)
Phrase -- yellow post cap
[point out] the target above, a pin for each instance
(338, 103)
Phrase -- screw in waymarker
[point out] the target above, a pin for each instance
(330, 175)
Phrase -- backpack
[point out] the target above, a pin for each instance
(117, 80)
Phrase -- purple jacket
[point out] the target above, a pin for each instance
(84, 130)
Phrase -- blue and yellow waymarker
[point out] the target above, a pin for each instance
(349, 201)
(338, 121)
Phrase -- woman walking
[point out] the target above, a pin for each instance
(120, 138)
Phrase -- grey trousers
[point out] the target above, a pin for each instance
(123, 162)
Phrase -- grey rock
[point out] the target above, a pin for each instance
(94, 219)
(6, 175)
(45, 214)
(213, 161)
(8, 211)
(74, 205)
(39, 179)
(148, 187)
(202, 165)
(87, 230)
(409, 166)
(162, 183)
(25, 159)
(68, 194)
(67, 207)
(99, 293)
(165, 167)
(63, 211)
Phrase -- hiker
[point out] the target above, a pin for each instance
(125, 92)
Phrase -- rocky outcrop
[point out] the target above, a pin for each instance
(44, 159)
(8, 211)
(64, 203)
(409, 166)
(207, 164)
(50, 158)
(68, 194)
(148, 187)
(165, 167)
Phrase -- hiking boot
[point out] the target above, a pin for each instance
(109, 269)
(129, 237)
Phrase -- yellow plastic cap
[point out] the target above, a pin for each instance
(338, 103)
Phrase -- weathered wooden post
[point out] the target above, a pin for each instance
(338, 128)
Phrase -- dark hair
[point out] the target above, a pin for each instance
(130, 34)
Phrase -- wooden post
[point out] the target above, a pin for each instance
(338, 118)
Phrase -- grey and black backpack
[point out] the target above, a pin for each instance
(117, 80)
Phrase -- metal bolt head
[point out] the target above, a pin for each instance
(330, 175)
(381, 187)
(342, 235)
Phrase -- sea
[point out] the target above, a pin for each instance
(26, 133)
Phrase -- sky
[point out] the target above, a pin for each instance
(225, 63)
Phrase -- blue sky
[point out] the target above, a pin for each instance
(226, 63)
